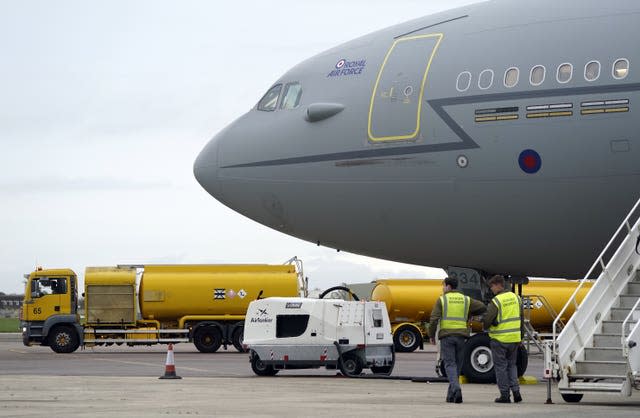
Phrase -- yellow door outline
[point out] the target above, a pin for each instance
(424, 80)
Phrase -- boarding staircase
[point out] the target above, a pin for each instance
(598, 348)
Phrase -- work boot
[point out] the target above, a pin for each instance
(516, 396)
(504, 398)
(457, 396)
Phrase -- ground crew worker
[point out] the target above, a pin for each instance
(452, 310)
(504, 322)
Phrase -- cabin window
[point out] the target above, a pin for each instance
(620, 68)
(511, 77)
(291, 325)
(376, 315)
(592, 71)
(269, 101)
(537, 75)
(464, 81)
(48, 286)
(565, 72)
(291, 96)
(486, 79)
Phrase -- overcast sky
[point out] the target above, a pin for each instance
(105, 105)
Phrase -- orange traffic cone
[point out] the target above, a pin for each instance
(170, 367)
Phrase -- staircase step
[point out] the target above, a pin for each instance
(603, 354)
(633, 288)
(615, 327)
(607, 340)
(614, 368)
(594, 387)
(619, 314)
(589, 377)
(627, 301)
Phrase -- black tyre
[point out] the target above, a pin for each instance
(522, 361)
(440, 370)
(260, 368)
(351, 365)
(385, 370)
(572, 397)
(477, 363)
(237, 338)
(63, 339)
(406, 339)
(207, 339)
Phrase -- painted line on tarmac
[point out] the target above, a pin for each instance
(13, 350)
(137, 363)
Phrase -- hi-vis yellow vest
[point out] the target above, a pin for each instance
(455, 310)
(508, 319)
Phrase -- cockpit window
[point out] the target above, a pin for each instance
(269, 101)
(291, 96)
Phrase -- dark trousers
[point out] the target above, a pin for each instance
(451, 353)
(504, 363)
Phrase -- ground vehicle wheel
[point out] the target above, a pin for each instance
(406, 339)
(237, 338)
(385, 370)
(207, 339)
(572, 397)
(477, 363)
(351, 365)
(260, 368)
(63, 339)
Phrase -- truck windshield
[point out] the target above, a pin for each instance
(43, 286)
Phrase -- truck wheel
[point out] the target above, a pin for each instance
(478, 362)
(351, 365)
(572, 397)
(63, 339)
(237, 338)
(207, 339)
(406, 339)
(260, 368)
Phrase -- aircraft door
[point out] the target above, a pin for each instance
(396, 101)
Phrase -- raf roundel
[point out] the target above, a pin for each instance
(341, 63)
(530, 161)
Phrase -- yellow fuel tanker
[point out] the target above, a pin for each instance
(203, 304)
(410, 301)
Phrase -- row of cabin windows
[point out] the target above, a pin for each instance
(290, 97)
(564, 74)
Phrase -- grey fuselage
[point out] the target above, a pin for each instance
(452, 140)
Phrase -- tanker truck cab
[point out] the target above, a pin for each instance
(297, 333)
(49, 315)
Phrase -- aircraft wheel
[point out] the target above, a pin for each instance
(522, 361)
(406, 339)
(572, 397)
(260, 368)
(207, 339)
(478, 361)
(63, 339)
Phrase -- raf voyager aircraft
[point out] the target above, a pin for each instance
(499, 136)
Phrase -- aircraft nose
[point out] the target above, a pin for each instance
(205, 168)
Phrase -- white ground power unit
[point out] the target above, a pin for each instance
(298, 333)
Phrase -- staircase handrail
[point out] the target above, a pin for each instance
(599, 261)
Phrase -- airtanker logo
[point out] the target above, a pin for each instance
(345, 67)
(261, 317)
